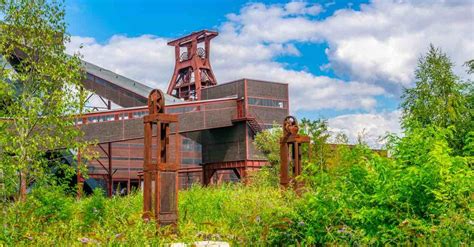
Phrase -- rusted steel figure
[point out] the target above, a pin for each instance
(291, 140)
(160, 190)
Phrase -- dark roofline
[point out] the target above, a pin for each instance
(123, 82)
(242, 79)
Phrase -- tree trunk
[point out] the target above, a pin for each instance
(23, 185)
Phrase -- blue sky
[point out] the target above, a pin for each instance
(346, 61)
(105, 18)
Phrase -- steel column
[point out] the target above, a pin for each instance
(160, 177)
(291, 140)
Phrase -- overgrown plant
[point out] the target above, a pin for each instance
(40, 88)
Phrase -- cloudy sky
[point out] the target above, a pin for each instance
(345, 61)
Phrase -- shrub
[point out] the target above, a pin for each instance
(94, 208)
(49, 204)
(422, 194)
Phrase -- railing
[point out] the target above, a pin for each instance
(253, 120)
(139, 112)
(112, 115)
(240, 108)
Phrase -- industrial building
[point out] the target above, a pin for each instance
(217, 120)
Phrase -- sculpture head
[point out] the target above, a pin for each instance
(290, 126)
(156, 101)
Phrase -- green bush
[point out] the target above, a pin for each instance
(48, 204)
(422, 194)
(236, 213)
(94, 208)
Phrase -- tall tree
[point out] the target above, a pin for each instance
(40, 84)
(470, 66)
(439, 98)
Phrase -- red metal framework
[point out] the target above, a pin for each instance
(240, 168)
(291, 140)
(223, 125)
(163, 173)
(192, 70)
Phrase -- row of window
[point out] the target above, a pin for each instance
(111, 117)
(191, 161)
(105, 118)
(181, 109)
(139, 114)
(92, 169)
(268, 102)
(187, 161)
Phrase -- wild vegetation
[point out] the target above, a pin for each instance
(39, 85)
(422, 194)
(419, 191)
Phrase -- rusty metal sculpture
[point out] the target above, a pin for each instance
(291, 140)
(160, 189)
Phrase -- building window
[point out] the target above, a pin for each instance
(188, 145)
(267, 102)
(139, 114)
(185, 109)
(191, 161)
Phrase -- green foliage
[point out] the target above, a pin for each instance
(436, 99)
(40, 83)
(243, 215)
(419, 195)
(268, 142)
(49, 204)
(94, 208)
(237, 213)
(439, 98)
(323, 155)
(470, 66)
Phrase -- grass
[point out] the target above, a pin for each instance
(238, 214)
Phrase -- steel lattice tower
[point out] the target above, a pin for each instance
(192, 70)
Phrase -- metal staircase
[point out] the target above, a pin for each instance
(254, 125)
(243, 115)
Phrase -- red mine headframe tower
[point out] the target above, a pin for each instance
(192, 70)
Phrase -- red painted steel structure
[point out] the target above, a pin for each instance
(210, 113)
(192, 70)
(240, 168)
(291, 140)
(162, 202)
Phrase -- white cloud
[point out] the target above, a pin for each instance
(300, 7)
(246, 48)
(146, 58)
(379, 44)
(382, 42)
(371, 127)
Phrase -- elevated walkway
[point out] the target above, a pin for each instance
(127, 123)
